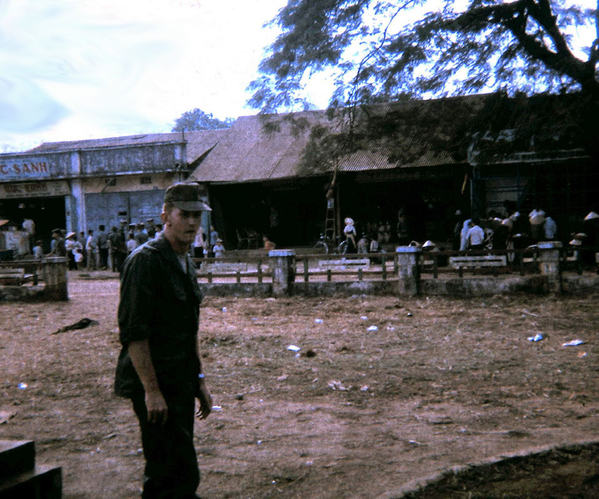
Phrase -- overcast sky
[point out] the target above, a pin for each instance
(79, 69)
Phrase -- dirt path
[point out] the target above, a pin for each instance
(357, 412)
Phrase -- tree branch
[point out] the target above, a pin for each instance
(594, 57)
(542, 13)
(514, 16)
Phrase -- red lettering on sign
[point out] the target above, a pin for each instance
(24, 168)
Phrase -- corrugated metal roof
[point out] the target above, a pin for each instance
(250, 152)
(198, 143)
(247, 152)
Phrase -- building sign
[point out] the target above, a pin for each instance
(34, 189)
(24, 169)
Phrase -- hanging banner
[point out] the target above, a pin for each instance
(34, 189)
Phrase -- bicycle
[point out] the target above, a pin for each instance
(329, 246)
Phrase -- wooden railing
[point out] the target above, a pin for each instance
(523, 261)
(255, 267)
(380, 266)
(252, 268)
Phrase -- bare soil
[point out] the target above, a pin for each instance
(383, 394)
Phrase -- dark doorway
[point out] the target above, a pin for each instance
(47, 213)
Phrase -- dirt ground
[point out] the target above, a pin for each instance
(383, 393)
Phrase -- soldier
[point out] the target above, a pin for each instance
(160, 367)
(118, 249)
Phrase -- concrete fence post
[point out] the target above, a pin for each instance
(408, 270)
(282, 264)
(549, 264)
(55, 279)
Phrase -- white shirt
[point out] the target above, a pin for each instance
(29, 226)
(218, 250)
(476, 235)
(90, 244)
(38, 252)
(131, 245)
(550, 228)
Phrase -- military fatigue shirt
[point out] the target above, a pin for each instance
(159, 302)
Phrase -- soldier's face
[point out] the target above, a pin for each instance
(182, 225)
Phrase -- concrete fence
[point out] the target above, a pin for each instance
(29, 280)
(408, 279)
(405, 277)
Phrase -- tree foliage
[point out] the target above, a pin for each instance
(197, 120)
(376, 53)
(400, 50)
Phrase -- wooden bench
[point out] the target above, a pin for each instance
(345, 263)
(10, 276)
(478, 261)
(223, 267)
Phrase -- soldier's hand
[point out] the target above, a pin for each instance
(157, 408)
(205, 399)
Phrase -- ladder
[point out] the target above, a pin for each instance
(330, 226)
(329, 223)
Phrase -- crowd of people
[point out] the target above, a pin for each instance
(212, 246)
(99, 250)
(372, 239)
(102, 250)
(514, 231)
(510, 230)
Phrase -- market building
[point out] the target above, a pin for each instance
(425, 159)
(80, 185)
(295, 176)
